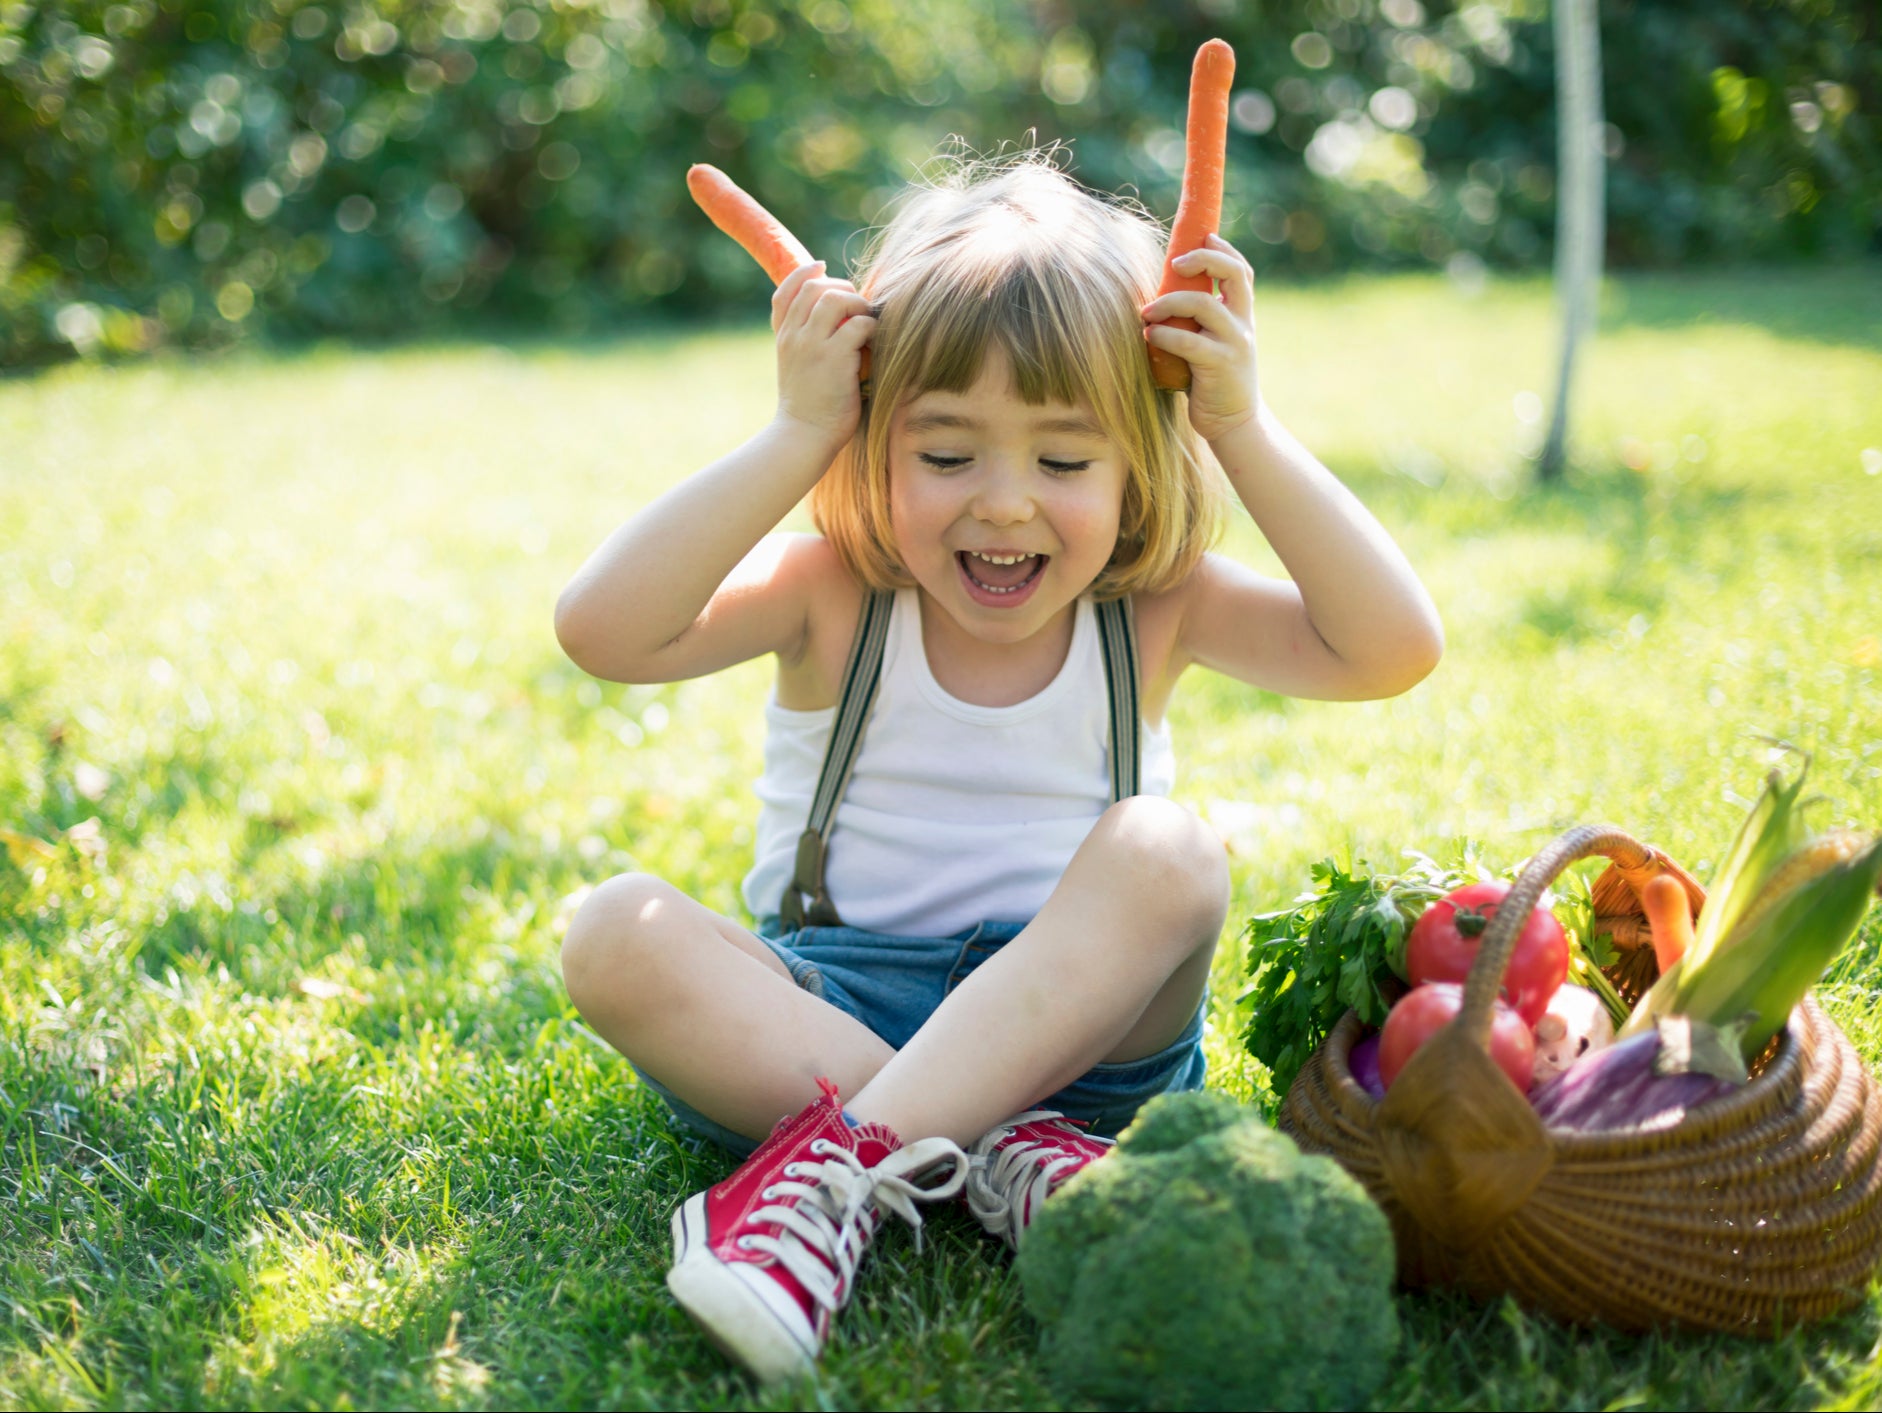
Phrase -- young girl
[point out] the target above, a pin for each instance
(1010, 926)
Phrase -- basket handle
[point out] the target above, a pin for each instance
(1499, 938)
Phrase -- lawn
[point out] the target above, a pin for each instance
(293, 1109)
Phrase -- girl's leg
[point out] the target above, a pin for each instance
(1112, 968)
(706, 1008)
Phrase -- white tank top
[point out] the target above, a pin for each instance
(956, 814)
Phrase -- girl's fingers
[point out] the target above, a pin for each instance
(809, 295)
(833, 305)
(1216, 242)
(1233, 277)
(1238, 286)
(1222, 264)
(786, 292)
(1218, 259)
(794, 281)
(857, 331)
(820, 304)
(1189, 346)
(1205, 309)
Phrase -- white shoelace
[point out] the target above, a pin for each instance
(1004, 1189)
(839, 1204)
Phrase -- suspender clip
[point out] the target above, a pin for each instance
(807, 877)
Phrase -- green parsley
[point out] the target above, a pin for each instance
(1341, 945)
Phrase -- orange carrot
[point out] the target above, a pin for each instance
(763, 235)
(1199, 209)
(732, 211)
(1669, 917)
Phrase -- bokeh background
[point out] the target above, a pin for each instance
(190, 173)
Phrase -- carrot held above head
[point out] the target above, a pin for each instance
(734, 211)
(1199, 208)
(739, 216)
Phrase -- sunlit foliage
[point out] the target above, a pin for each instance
(194, 171)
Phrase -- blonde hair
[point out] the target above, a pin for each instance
(1013, 251)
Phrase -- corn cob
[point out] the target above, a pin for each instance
(1816, 858)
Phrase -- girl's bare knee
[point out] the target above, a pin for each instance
(613, 923)
(1163, 853)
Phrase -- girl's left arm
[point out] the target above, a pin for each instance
(1354, 622)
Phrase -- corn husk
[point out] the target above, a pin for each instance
(1780, 910)
(1784, 944)
(1771, 833)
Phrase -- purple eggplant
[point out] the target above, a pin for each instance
(1654, 1076)
(1363, 1060)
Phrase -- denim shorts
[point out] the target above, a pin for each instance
(893, 984)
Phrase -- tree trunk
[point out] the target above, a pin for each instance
(1580, 210)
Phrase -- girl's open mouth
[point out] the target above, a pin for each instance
(1000, 580)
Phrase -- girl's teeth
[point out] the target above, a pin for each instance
(1001, 559)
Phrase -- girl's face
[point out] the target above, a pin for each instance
(1003, 512)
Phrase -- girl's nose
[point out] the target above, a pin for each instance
(1000, 498)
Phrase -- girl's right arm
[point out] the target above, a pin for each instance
(677, 591)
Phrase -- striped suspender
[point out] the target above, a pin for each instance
(1116, 636)
(860, 679)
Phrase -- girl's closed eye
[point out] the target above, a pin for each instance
(1056, 466)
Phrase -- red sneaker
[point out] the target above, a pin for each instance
(1016, 1165)
(764, 1260)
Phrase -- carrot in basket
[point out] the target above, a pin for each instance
(739, 216)
(763, 235)
(1199, 208)
(1669, 918)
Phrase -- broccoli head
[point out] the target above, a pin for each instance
(1208, 1263)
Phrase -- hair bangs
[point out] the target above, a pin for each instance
(1028, 310)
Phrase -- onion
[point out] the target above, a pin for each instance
(1576, 1024)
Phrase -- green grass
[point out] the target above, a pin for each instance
(293, 1109)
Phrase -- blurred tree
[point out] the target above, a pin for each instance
(195, 171)
(1579, 211)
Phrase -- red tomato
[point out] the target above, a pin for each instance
(1444, 944)
(1429, 1008)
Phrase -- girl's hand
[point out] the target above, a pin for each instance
(822, 325)
(1223, 393)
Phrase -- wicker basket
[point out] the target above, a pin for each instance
(1759, 1208)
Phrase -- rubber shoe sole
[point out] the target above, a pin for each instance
(740, 1309)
